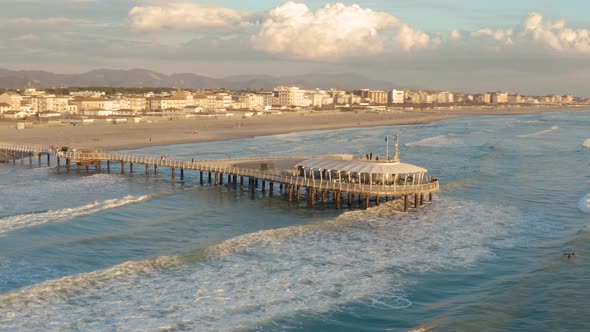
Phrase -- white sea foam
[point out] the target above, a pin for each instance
(584, 204)
(540, 133)
(586, 143)
(257, 279)
(21, 221)
(437, 141)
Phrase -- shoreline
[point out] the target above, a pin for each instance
(171, 132)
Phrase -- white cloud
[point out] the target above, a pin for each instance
(333, 31)
(410, 39)
(556, 35)
(185, 17)
(504, 36)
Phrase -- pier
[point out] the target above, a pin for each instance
(297, 177)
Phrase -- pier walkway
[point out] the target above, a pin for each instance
(255, 170)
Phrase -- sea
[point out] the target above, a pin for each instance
(88, 251)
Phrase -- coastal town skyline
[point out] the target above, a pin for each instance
(533, 47)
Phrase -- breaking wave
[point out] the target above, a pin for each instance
(270, 276)
(584, 204)
(437, 141)
(13, 223)
(540, 133)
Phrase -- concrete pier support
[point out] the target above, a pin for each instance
(39, 159)
(173, 173)
(220, 178)
(130, 168)
(298, 193)
(377, 200)
(337, 199)
(68, 164)
(367, 201)
(108, 165)
(201, 177)
(209, 177)
(270, 187)
(48, 159)
(155, 169)
(421, 199)
(430, 197)
(122, 167)
(216, 178)
(415, 201)
(182, 173)
(350, 197)
(263, 186)
(147, 170)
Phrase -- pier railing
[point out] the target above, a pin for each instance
(223, 166)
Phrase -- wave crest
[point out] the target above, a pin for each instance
(13, 223)
(540, 133)
(268, 276)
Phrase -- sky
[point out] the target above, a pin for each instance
(524, 46)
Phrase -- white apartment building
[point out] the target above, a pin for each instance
(288, 96)
(396, 96)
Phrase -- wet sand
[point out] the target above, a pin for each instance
(167, 132)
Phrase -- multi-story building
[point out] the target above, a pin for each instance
(379, 97)
(567, 99)
(514, 99)
(179, 100)
(552, 99)
(396, 96)
(251, 100)
(50, 103)
(12, 98)
(135, 102)
(499, 97)
(288, 96)
(444, 97)
(83, 104)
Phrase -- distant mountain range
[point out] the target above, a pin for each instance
(11, 79)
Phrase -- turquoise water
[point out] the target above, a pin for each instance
(106, 252)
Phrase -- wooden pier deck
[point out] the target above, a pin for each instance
(234, 171)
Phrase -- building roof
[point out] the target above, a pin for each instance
(347, 164)
(4, 105)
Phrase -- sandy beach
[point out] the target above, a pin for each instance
(167, 132)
